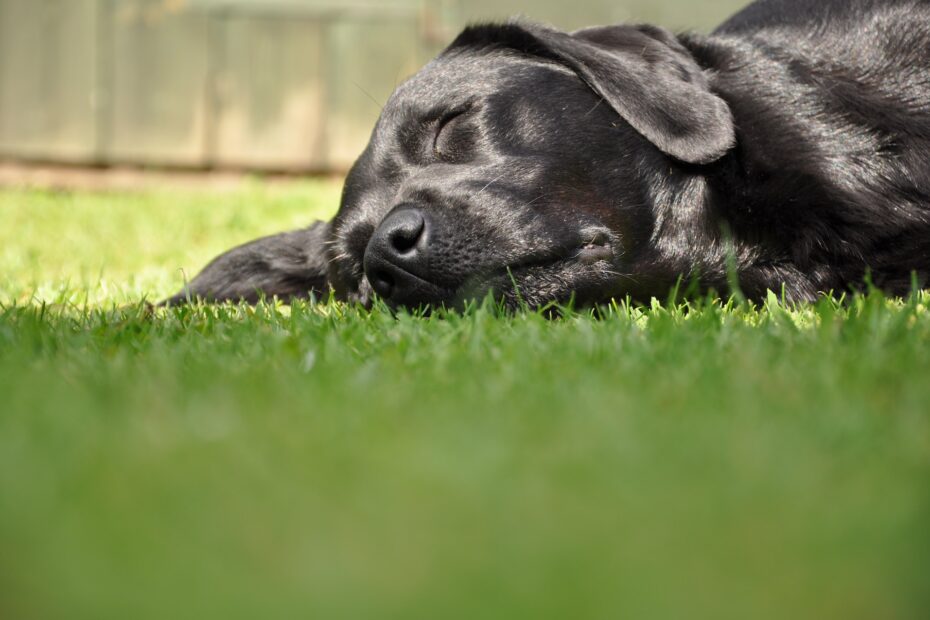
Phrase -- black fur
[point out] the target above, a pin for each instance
(790, 148)
(287, 265)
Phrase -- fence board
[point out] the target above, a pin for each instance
(269, 93)
(47, 79)
(160, 72)
(365, 62)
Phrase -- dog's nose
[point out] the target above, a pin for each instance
(396, 253)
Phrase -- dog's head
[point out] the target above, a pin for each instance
(517, 163)
(522, 162)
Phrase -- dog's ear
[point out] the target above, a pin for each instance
(644, 73)
(288, 265)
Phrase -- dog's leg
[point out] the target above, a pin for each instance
(288, 265)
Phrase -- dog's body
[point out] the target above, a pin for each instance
(790, 149)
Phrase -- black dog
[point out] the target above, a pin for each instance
(791, 149)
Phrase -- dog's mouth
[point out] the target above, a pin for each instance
(599, 250)
(597, 247)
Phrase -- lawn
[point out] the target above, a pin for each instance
(715, 460)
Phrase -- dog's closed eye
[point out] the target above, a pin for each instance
(444, 145)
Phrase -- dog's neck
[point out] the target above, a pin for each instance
(795, 187)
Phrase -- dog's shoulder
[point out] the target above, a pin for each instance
(832, 104)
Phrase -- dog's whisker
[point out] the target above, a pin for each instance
(492, 182)
(592, 110)
(535, 200)
(369, 95)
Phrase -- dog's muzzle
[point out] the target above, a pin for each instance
(398, 257)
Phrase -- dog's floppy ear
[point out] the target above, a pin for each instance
(643, 72)
(288, 265)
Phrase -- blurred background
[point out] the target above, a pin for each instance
(253, 85)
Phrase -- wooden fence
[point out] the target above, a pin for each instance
(261, 84)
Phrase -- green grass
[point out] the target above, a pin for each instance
(712, 461)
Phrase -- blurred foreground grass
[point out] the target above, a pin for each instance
(712, 461)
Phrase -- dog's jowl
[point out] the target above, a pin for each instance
(788, 149)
